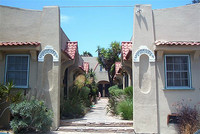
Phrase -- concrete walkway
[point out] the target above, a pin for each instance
(99, 114)
(97, 119)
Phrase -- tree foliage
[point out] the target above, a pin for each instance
(195, 1)
(108, 57)
(86, 54)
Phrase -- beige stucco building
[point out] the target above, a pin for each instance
(37, 56)
(165, 59)
(101, 75)
(165, 65)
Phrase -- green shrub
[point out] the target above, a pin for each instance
(84, 96)
(30, 116)
(125, 109)
(116, 92)
(116, 95)
(113, 87)
(73, 109)
(121, 102)
(129, 92)
(76, 105)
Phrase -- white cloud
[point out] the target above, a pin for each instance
(64, 18)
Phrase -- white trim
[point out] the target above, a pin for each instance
(143, 50)
(48, 50)
(189, 73)
(28, 69)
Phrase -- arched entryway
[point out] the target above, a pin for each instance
(103, 88)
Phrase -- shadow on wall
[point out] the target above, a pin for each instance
(144, 74)
(47, 81)
(141, 19)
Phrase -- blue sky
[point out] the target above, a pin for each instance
(95, 26)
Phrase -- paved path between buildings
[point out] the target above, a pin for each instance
(97, 114)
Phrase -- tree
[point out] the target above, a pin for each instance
(195, 1)
(86, 54)
(108, 57)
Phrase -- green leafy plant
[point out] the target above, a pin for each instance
(116, 95)
(121, 102)
(125, 109)
(9, 97)
(81, 95)
(73, 109)
(30, 116)
(129, 92)
(76, 104)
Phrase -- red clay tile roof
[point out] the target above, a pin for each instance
(20, 43)
(118, 66)
(71, 48)
(176, 43)
(86, 66)
(126, 47)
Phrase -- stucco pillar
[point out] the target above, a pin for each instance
(129, 80)
(50, 60)
(143, 69)
(123, 81)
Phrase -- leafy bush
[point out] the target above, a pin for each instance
(76, 105)
(8, 96)
(81, 95)
(80, 81)
(113, 87)
(84, 95)
(129, 92)
(116, 95)
(73, 109)
(121, 102)
(125, 109)
(30, 116)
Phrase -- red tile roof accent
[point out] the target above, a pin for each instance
(126, 47)
(20, 44)
(118, 66)
(71, 48)
(129, 54)
(86, 66)
(81, 67)
(176, 43)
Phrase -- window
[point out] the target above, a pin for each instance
(17, 70)
(177, 71)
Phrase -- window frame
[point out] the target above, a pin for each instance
(28, 69)
(189, 72)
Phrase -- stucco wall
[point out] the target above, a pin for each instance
(20, 25)
(177, 24)
(173, 24)
(93, 63)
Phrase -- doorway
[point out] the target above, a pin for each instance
(103, 87)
